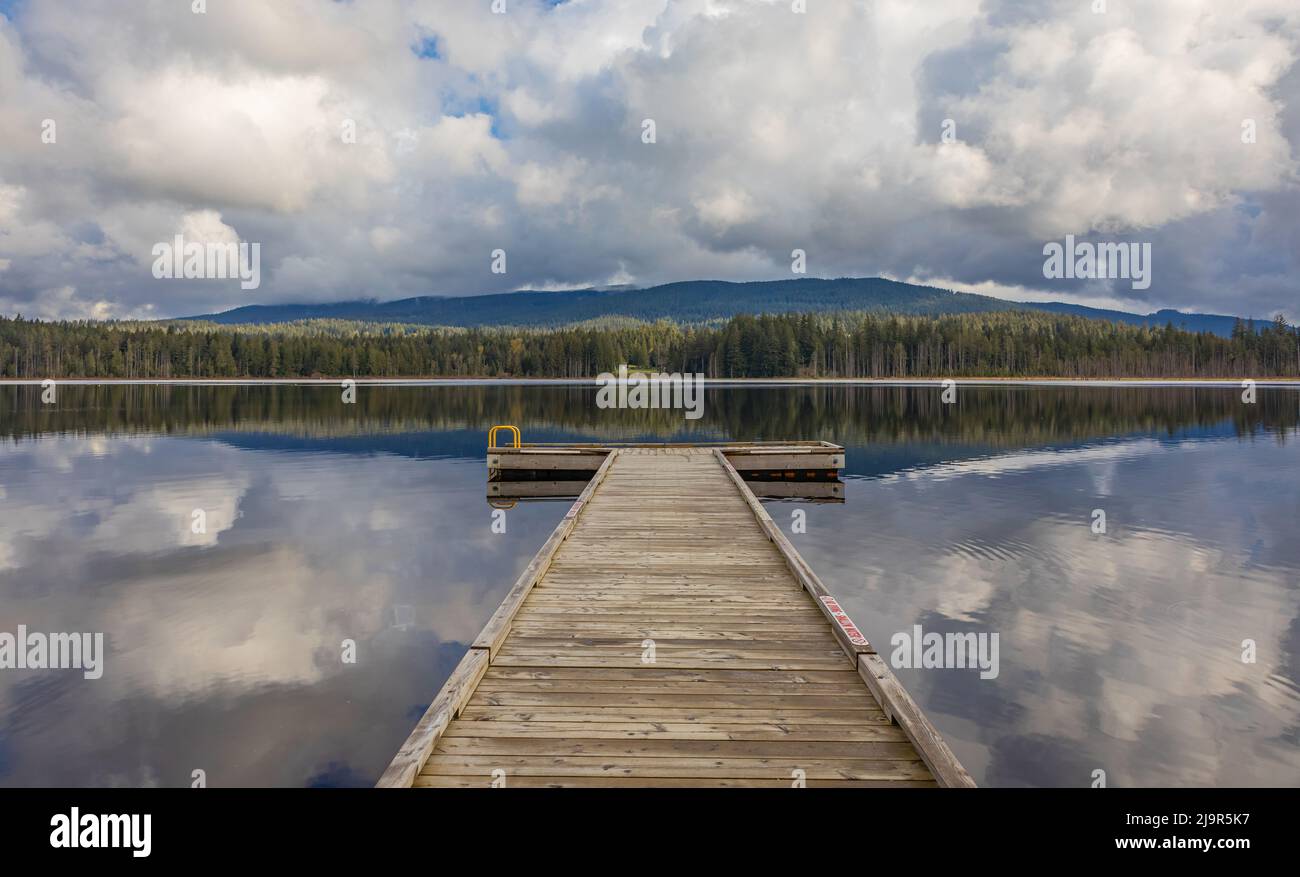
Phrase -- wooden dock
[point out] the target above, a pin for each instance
(542, 461)
(668, 634)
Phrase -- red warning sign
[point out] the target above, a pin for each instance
(573, 510)
(846, 624)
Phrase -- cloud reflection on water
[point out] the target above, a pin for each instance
(1119, 652)
(227, 645)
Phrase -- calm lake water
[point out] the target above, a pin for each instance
(327, 522)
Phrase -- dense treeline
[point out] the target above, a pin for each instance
(853, 345)
(861, 415)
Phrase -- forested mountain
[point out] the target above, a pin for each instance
(694, 301)
(1003, 344)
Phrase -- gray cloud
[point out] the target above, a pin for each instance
(522, 131)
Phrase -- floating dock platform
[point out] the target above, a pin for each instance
(803, 470)
(668, 634)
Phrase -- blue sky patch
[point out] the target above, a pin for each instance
(453, 106)
(425, 48)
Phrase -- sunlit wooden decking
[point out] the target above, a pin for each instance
(667, 634)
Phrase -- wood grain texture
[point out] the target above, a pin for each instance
(668, 635)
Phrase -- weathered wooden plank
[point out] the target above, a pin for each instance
(669, 730)
(521, 699)
(702, 767)
(534, 489)
(881, 750)
(662, 614)
(574, 644)
(809, 491)
(800, 461)
(545, 461)
(780, 592)
(789, 714)
(542, 782)
(509, 660)
(686, 447)
(776, 630)
(839, 676)
(794, 691)
(678, 654)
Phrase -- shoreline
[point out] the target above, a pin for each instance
(717, 382)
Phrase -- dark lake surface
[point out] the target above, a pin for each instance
(1119, 651)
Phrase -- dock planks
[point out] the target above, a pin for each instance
(753, 682)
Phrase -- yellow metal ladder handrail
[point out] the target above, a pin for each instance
(514, 431)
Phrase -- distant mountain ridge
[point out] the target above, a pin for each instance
(692, 301)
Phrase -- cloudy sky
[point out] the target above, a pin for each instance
(523, 131)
